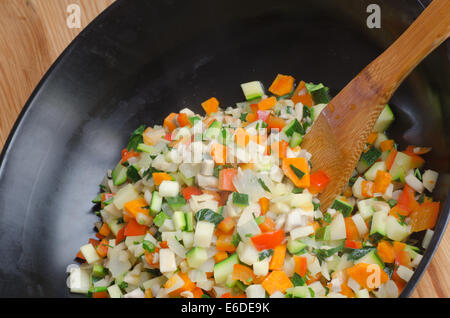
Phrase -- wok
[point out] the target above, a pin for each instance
(140, 60)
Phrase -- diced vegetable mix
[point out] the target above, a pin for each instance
(252, 226)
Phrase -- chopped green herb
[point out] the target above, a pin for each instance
(374, 238)
(263, 185)
(352, 180)
(389, 270)
(297, 190)
(136, 138)
(316, 206)
(217, 170)
(323, 254)
(123, 285)
(235, 239)
(421, 198)
(133, 174)
(306, 111)
(120, 220)
(297, 171)
(289, 109)
(194, 119)
(108, 202)
(392, 203)
(297, 280)
(264, 254)
(356, 254)
(153, 271)
(401, 220)
(148, 173)
(209, 216)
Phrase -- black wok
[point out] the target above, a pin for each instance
(141, 60)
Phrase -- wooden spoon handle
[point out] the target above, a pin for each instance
(426, 33)
(381, 78)
(337, 138)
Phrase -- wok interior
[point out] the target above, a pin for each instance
(141, 61)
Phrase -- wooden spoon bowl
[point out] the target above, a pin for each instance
(337, 138)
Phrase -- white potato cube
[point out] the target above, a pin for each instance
(114, 291)
(429, 179)
(414, 183)
(167, 262)
(89, 253)
(261, 268)
(207, 167)
(276, 174)
(301, 232)
(203, 234)
(169, 188)
(405, 273)
(255, 291)
(301, 200)
(247, 253)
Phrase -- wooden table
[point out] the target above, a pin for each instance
(33, 33)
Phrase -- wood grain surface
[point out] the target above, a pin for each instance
(33, 33)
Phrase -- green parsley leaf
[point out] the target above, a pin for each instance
(297, 171)
(209, 216)
(235, 239)
(297, 280)
(136, 138)
(297, 190)
(392, 203)
(358, 253)
(323, 254)
(133, 174)
(263, 185)
(264, 254)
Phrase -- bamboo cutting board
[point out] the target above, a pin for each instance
(33, 33)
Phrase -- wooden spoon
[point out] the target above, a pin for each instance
(337, 138)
